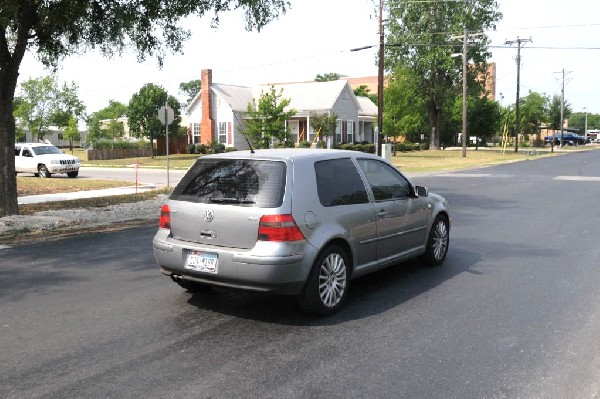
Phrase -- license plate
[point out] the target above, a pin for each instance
(206, 262)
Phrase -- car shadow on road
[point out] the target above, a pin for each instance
(369, 295)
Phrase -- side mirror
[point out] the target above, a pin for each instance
(421, 191)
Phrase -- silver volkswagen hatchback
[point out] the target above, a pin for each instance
(296, 221)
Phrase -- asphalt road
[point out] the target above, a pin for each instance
(513, 313)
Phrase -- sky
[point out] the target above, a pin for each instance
(315, 37)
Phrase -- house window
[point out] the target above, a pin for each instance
(196, 133)
(222, 132)
(350, 131)
(338, 131)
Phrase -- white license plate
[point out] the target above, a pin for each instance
(206, 262)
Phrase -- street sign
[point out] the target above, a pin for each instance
(166, 115)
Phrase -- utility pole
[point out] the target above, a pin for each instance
(562, 105)
(519, 41)
(380, 82)
(464, 89)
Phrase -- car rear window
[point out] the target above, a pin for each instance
(243, 182)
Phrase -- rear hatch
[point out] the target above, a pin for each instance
(220, 200)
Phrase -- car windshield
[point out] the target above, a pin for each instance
(233, 181)
(46, 149)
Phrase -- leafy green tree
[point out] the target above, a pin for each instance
(554, 112)
(326, 77)
(71, 132)
(189, 89)
(98, 129)
(68, 105)
(577, 121)
(420, 37)
(483, 117)
(266, 121)
(324, 124)
(54, 29)
(533, 112)
(143, 113)
(405, 109)
(37, 105)
(363, 91)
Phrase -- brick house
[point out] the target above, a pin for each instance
(218, 111)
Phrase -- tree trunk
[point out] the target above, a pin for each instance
(8, 180)
(434, 120)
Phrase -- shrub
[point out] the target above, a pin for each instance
(201, 149)
(321, 144)
(190, 148)
(370, 148)
(359, 147)
(230, 149)
(347, 146)
(218, 148)
(304, 144)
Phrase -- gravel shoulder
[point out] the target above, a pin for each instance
(49, 224)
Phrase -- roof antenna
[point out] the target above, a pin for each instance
(249, 145)
(246, 137)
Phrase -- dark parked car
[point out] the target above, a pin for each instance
(296, 221)
(568, 138)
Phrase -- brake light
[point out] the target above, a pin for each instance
(165, 217)
(279, 228)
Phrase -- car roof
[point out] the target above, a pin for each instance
(36, 144)
(290, 154)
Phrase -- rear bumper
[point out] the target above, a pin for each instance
(278, 268)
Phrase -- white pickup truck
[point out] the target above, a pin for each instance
(44, 159)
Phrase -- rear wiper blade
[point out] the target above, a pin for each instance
(230, 200)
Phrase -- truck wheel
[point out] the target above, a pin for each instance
(43, 171)
(73, 174)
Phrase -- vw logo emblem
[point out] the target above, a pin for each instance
(209, 215)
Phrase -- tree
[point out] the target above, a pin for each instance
(143, 113)
(422, 38)
(324, 124)
(577, 120)
(326, 77)
(266, 121)
(71, 132)
(37, 105)
(190, 89)
(363, 91)
(483, 118)
(405, 111)
(55, 29)
(554, 112)
(97, 127)
(533, 112)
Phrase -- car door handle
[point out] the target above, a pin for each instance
(382, 214)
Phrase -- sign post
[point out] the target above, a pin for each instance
(166, 115)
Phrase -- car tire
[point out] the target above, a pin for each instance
(437, 243)
(73, 174)
(43, 172)
(328, 282)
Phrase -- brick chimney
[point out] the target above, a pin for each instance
(207, 123)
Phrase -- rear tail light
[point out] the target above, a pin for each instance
(165, 217)
(278, 228)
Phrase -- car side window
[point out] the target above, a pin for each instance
(26, 152)
(339, 183)
(385, 181)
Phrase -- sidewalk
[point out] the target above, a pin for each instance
(34, 199)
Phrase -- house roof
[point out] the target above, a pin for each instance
(304, 96)
(367, 108)
(309, 96)
(237, 97)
